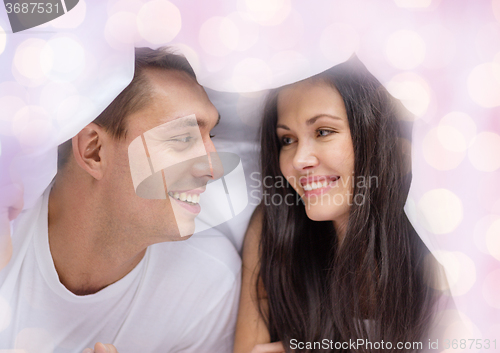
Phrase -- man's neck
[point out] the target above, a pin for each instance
(87, 254)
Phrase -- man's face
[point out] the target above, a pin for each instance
(173, 131)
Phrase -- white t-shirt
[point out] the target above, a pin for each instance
(181, 297)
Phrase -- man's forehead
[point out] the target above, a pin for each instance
(180, 122)
(165, 80)
(174, 95)
(192, 120)
(169, 121)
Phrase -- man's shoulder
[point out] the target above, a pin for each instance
(195, 275)
(213, 256)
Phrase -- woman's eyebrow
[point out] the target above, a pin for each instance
(282, 127)
(312, 120)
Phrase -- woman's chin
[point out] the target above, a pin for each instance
(323, 213)
(316, 214)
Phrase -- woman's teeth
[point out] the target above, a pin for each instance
(191, 198)
(314, 186)
(317, 185)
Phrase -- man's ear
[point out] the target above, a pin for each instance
(88, 149)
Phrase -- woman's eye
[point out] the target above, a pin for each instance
(212, 136)
(323, 132)
(286, 141)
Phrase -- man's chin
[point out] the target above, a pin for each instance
(185, 230)
(181, 238)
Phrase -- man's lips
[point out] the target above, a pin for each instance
(192, 196)
(197, 191)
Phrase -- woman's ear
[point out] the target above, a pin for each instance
(88, 149)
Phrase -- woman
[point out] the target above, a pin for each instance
(344, 263)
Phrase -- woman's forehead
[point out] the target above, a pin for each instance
(309, 98)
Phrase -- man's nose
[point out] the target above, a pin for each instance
(209, 166)
(214, 160)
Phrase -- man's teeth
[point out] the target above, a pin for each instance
(192, 198)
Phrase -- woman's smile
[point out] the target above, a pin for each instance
(316, 156)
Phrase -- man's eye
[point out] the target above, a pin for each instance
(184, 139)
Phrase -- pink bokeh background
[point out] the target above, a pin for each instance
(440, 57)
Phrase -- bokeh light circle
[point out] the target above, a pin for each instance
(460, 328)
(3, 40)
(413, 92)
(121, 29)
(190, 54)
(444, 148)
(75, 107)
(338, 42)
(451, 138)
(413, 4)
(460, 271)
(248, 31)
(73, 18)
(440, 211)
(493, 239)
(461, 122)
(440, 46)
(159, 21)
(251, 74)
(484, 151)
(288, 66)
(31, 62)
(218, 36)
(68, 58)
(266, 12)
(32, 126)
(287, 36)
(5, 314)
(492, 330)
(488, 40)
(481, 230)
(405, 49)
(491, 289)
(483, 84)
(10, 106)
(54, 93)
(115, 6)
(495, 4)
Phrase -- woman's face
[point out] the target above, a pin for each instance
(317, 156)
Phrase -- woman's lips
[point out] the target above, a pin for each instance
(318, 185)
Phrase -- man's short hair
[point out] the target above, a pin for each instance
(135, 96)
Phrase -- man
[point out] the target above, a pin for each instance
(95, 262)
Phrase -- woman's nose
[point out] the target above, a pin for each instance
(305, 157)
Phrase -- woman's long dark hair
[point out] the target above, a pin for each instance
(372, 287)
